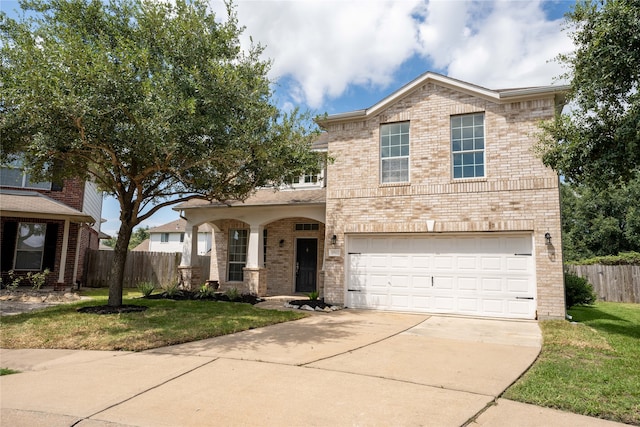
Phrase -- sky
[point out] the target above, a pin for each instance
(333, 56)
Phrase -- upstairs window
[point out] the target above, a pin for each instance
(164, 238)
(307, 180)
(12, 175)
(467, 146)
(394, 152)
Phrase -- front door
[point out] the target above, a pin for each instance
(306, 264)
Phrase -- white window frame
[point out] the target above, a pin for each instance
(308, 180)
(164, 237)
(20, 250)
(468, 146)
(237, 258)
(25, 182)
(392, 149)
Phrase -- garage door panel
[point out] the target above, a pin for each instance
(487, 275)
(468, 284)
(467, 263)
(420, 282)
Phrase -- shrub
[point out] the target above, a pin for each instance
(171, 289)
(313, 296)
(578, 291)
(233, 294)
(14, 280)
(205, 291)
(146, 288)
(38, 279)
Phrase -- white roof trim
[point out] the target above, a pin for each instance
(497, 96)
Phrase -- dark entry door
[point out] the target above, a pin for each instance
(306, 264)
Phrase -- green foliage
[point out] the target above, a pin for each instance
(599, 142)
(578, 291)
(7, 371)
(624, 258)
(232, 294)
(599, 222)
(171, 289)
(38, 279)
(14, 280)
(153, 100)
(138, 236)
(313, 296)
(206, 291)
(146, 288)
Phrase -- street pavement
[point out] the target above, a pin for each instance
(346, 368)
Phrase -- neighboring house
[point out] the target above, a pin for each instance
(46, 225)
(170, 238)
(434, 202)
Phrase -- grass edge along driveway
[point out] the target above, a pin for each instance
(590, 366)
(165, 322)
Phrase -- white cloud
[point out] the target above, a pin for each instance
(322, 48)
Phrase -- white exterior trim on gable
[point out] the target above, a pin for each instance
(498, 96)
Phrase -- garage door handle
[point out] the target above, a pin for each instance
(524, 298)
(522, 254)
(355, 253)
(354, 290)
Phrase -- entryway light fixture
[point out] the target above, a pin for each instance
(547, 239)
(281, 243)
(334, 239)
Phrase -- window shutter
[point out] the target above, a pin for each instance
(50, 244)
(9, 235)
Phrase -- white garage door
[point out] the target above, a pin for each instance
(489, 275)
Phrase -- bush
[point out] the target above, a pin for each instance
(38, 279)
(577, 291)
(233, 294)
(623, 258)
(313, 296)
(146, 288)
(171, 289)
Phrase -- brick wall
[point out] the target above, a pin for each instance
(517, 194)
(280, 261)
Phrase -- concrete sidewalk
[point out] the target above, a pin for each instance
(341, 369)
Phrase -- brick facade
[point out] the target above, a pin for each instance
(80, 238)
(279, 262)
(517, 193)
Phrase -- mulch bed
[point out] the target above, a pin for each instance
(180, 296)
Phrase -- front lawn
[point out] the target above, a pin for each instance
(165, 322)
(591, 367)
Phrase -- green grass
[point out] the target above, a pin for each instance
(591, 367)
(165, 322)
(5, 371)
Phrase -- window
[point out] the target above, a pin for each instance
(30, 246)
(307, 227)
(164, 238)
(394, 152)
(237, 255)
(11, 175)
(181, 237)
(307, 180)
(467, 145)
(264, 245)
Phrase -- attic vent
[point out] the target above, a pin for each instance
(307, 227)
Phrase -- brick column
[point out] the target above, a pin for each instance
(255, 280)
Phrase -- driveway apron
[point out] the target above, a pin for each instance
(341, 369)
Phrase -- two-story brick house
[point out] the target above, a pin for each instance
(434, 202)
(45, 225)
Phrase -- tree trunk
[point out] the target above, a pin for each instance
(117, 267)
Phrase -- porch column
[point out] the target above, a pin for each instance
(188, 272)
(214, 273)
(255, 275)
(63, 255)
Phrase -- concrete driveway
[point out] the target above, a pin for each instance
(348, 368)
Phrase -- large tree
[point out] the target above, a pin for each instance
(155, 101)
(600, 221)
(598, 140)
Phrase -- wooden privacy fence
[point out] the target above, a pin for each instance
(156, 267)
(616, 283)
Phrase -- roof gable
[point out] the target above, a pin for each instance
(497, 96)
